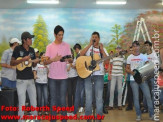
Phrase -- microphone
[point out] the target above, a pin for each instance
(94, 40)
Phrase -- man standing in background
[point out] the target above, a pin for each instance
(8, 73)
(116, 77)
(136, 61)
(79, 94)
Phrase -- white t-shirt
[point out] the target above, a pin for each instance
(136, 62)
(72, 72)
(152, 57)
(42, 73)
(117, 67)
(97, 51)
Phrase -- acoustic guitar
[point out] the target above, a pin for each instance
(28, 63)
(84, 67)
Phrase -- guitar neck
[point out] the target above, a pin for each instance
(107, 57)
(31, 61)
(112, 56)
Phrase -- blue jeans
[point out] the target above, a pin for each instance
(145, 89)
(99, 84)
(58, 91)
(79, 94)
(8, 83)
(151, 82)
(42, 92)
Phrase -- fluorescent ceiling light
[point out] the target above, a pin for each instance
(111, 2)
(43, 1)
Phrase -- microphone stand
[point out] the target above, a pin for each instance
(91, 67)
(93, 62)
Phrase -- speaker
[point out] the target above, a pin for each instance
(8, 98)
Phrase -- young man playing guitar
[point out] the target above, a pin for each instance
(25, 78)
(97, 77)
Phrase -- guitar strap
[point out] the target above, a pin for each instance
(100, 52)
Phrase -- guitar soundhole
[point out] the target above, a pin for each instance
(26, 63)
(86, 65)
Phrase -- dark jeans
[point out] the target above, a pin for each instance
(129, 95)
(107, 98)
(79, 94)
(58, 90)
(71, 90)
(8, 83)
(42, 92)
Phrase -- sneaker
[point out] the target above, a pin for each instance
(129, 108)
(144, 111)
(105, 111)
(152, 117)
(119, 107)
(138, 118)
(81, 109)
(70, 114)
(110, 108)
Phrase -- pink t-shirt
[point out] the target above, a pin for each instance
(58, 70)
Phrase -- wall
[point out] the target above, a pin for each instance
(114, 26)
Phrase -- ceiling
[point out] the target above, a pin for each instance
(88, 4)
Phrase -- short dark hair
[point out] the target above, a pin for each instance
(77, 46)
(148, 42)
(41, 54)
(57, 29)
(135, 42)
(96, 33)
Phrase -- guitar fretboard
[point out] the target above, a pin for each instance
(111, 56)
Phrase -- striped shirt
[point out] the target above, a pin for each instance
(117, 65)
